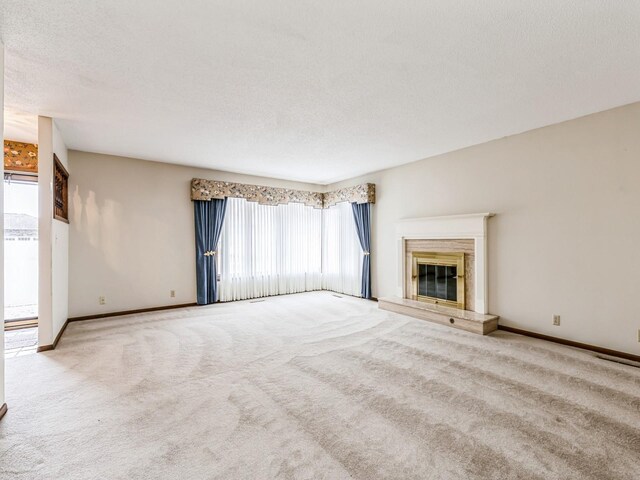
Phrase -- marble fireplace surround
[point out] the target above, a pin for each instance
(439, 233)
(442, 245)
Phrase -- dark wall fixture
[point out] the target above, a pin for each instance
(60, 191)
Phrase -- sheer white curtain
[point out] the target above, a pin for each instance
(341, 252)
(267, 250)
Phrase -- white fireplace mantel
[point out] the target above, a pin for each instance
(470, 226)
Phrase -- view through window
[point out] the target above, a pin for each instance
(20, 249)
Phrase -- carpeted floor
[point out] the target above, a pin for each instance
(313, 386)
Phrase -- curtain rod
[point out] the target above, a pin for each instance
(17, 176)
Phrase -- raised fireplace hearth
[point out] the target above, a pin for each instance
(442, 271)
(451, 317)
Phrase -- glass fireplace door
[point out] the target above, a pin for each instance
(439, 278)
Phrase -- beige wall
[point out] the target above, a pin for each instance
(53, 238)
(60, 250)
(566, 234)
(132, 231)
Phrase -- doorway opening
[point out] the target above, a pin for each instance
(20, 250)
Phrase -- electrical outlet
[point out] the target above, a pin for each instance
(556, 320)
(173, 294)
(102, 300)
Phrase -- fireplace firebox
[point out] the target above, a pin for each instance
(438, 278)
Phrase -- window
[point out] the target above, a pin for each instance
(21, 247)
(269, 250)
(341, 254)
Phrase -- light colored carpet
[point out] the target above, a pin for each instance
(313, 386)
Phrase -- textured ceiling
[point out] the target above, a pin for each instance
(20, 127)
(317, 91)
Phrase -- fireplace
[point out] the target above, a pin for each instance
(442, 272)
(438, 278)
(465, 234)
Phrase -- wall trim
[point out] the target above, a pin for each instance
(55, 342)
(3, 410)
(45, 348)
(129, 312)
(571, 343)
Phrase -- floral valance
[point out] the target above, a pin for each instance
(22, 157)
(363, 193)
(208, 189)
(202, 189)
